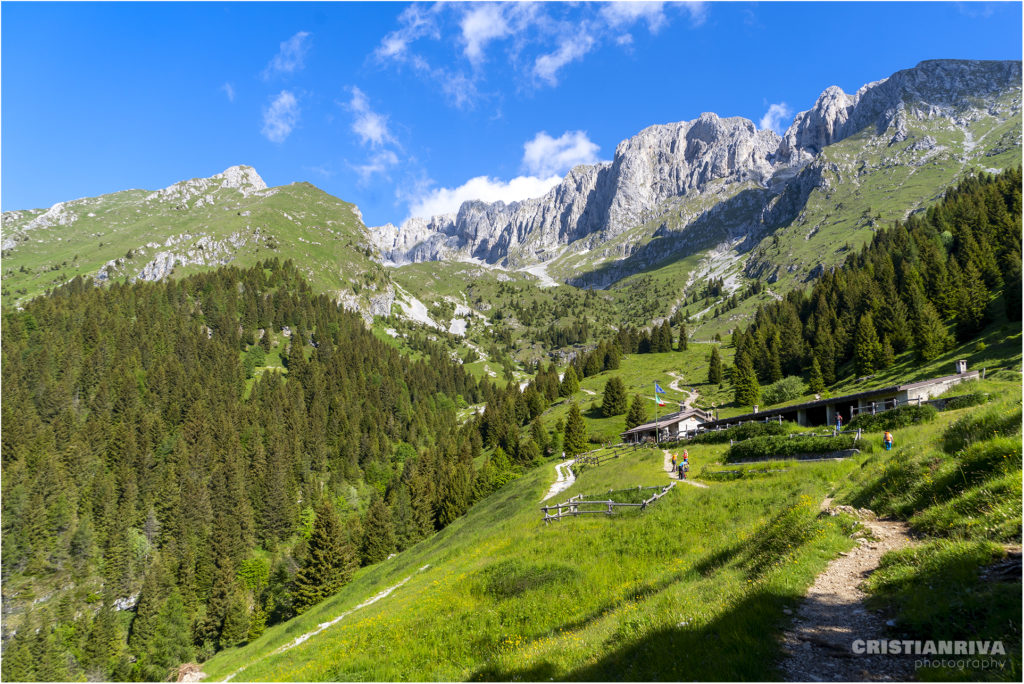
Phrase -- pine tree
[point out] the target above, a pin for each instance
(683, 342)
(816, 383)
(888, 355)
(540, 436)
(575, 441)
(614, 402)
(329, 564)
(235, 630)
(378, 532)
(170, 644)
(866, 347)
(570, 383)
(931, 338)
(747, 390)
(637, 413)
(715, 367)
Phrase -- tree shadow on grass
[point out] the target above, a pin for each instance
(738, 646)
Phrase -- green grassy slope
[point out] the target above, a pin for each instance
(507, 597)
(692, 588)
(119, 234)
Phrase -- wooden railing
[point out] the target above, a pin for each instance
(571, 507)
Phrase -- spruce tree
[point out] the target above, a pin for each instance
(747, 390)
(888, 355)
(931, 338)
(715, 367)
(683, 342)
(614, 402)
(637, 413)
(540, 436)
(866, 347)
(329, 564)
(816, 383)
(570, 383)
(170, 644)
(575, 441)
(378, 532)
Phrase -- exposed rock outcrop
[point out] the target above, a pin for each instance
(664, 163)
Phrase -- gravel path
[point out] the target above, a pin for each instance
(564, 481)
(818, 645)
(673, 474)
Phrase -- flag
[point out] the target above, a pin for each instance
(657, 388)
(658, 399)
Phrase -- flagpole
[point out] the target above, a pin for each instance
(657, 428)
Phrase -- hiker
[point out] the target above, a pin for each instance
(887, 440)
(686, 455)
(674, 460)
(839, 422)
(682, 472)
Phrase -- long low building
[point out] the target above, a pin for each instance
(668, 427)
(823, 411)
(819, 412)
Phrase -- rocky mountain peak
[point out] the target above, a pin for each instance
(937, 87)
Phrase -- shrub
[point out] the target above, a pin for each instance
(786, 447)
(784, 390)
(997, 421)
(897, 418)
(965, 400)
(742, 432)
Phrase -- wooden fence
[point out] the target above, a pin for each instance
(571, 507)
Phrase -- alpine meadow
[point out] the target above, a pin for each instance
(740, 402)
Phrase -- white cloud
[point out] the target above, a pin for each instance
(415, 24)
(546, 156)
(626, 13)
(448, 200)
(698, 12)
(229, 90)
(379, 163)
(371, 127)
(777, 117)
(572, 48)
(289, 57)
(480, 25)
(280, 117)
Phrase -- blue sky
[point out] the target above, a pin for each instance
(408, 109)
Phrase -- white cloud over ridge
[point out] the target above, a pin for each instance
(290, 57)
(379, 163)
(545, 159)
(484, 188)
(371, 127)
(546, 156)
(777, 118)
(280, 118)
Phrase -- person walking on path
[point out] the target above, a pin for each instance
(675, 460)
(682, 472)
(887, 440)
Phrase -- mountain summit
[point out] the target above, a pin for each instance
(672, 175)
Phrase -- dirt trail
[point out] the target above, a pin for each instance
(324, 625)
(564, 481)
(690, 396)
(819, 644)
(674, 475)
